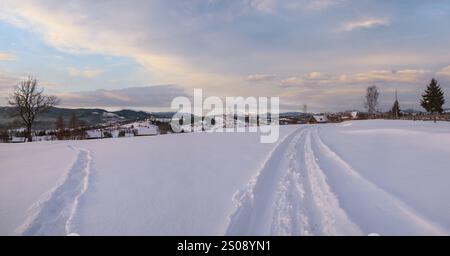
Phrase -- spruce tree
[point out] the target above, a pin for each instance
(433, 98)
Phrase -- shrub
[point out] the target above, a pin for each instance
(4, 136)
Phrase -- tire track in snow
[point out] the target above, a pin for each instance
(290, 196)
(253, 204)
(55, 215)
(372, 208)
(305, 188)
(306, 205)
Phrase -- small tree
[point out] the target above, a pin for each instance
(395, 111)
(74, 126)
(60, 128)
(29, 101)
(107, 134)
(372, 99)
(433, 99)
(4, 135)
(305, 109)
(74, 123)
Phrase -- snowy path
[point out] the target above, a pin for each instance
(307, 189)
(55, 214)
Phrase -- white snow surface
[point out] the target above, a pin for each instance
(353, 178)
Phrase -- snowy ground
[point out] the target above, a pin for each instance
(355, 178)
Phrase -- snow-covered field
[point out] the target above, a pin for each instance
(354, 178)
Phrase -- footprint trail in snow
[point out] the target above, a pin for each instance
(56, 214)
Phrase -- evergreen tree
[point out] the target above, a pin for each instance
(433, 98)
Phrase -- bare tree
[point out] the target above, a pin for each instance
(29, 101)
(76, 132)
(74, 123)
(60, 126)
(372, 99)
(4, 134)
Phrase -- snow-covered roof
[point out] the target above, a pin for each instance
(147, 130)
(320, 118)
(17, 139)
(93, 134)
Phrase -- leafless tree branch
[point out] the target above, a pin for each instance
(29, 101)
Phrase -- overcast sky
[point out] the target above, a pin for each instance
(323, 53)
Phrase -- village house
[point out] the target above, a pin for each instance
(318, 119)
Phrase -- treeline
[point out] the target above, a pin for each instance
(70, 131)
(432, 101)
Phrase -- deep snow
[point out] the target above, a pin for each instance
(354, 178)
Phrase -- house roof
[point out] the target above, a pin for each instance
(320, 118)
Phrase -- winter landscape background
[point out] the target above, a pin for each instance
(89, 111)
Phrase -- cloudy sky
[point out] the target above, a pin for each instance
(323, 53)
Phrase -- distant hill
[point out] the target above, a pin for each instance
(162, 114)
(86, 116)
(412, 111)
(96, 116)
(294, 114)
